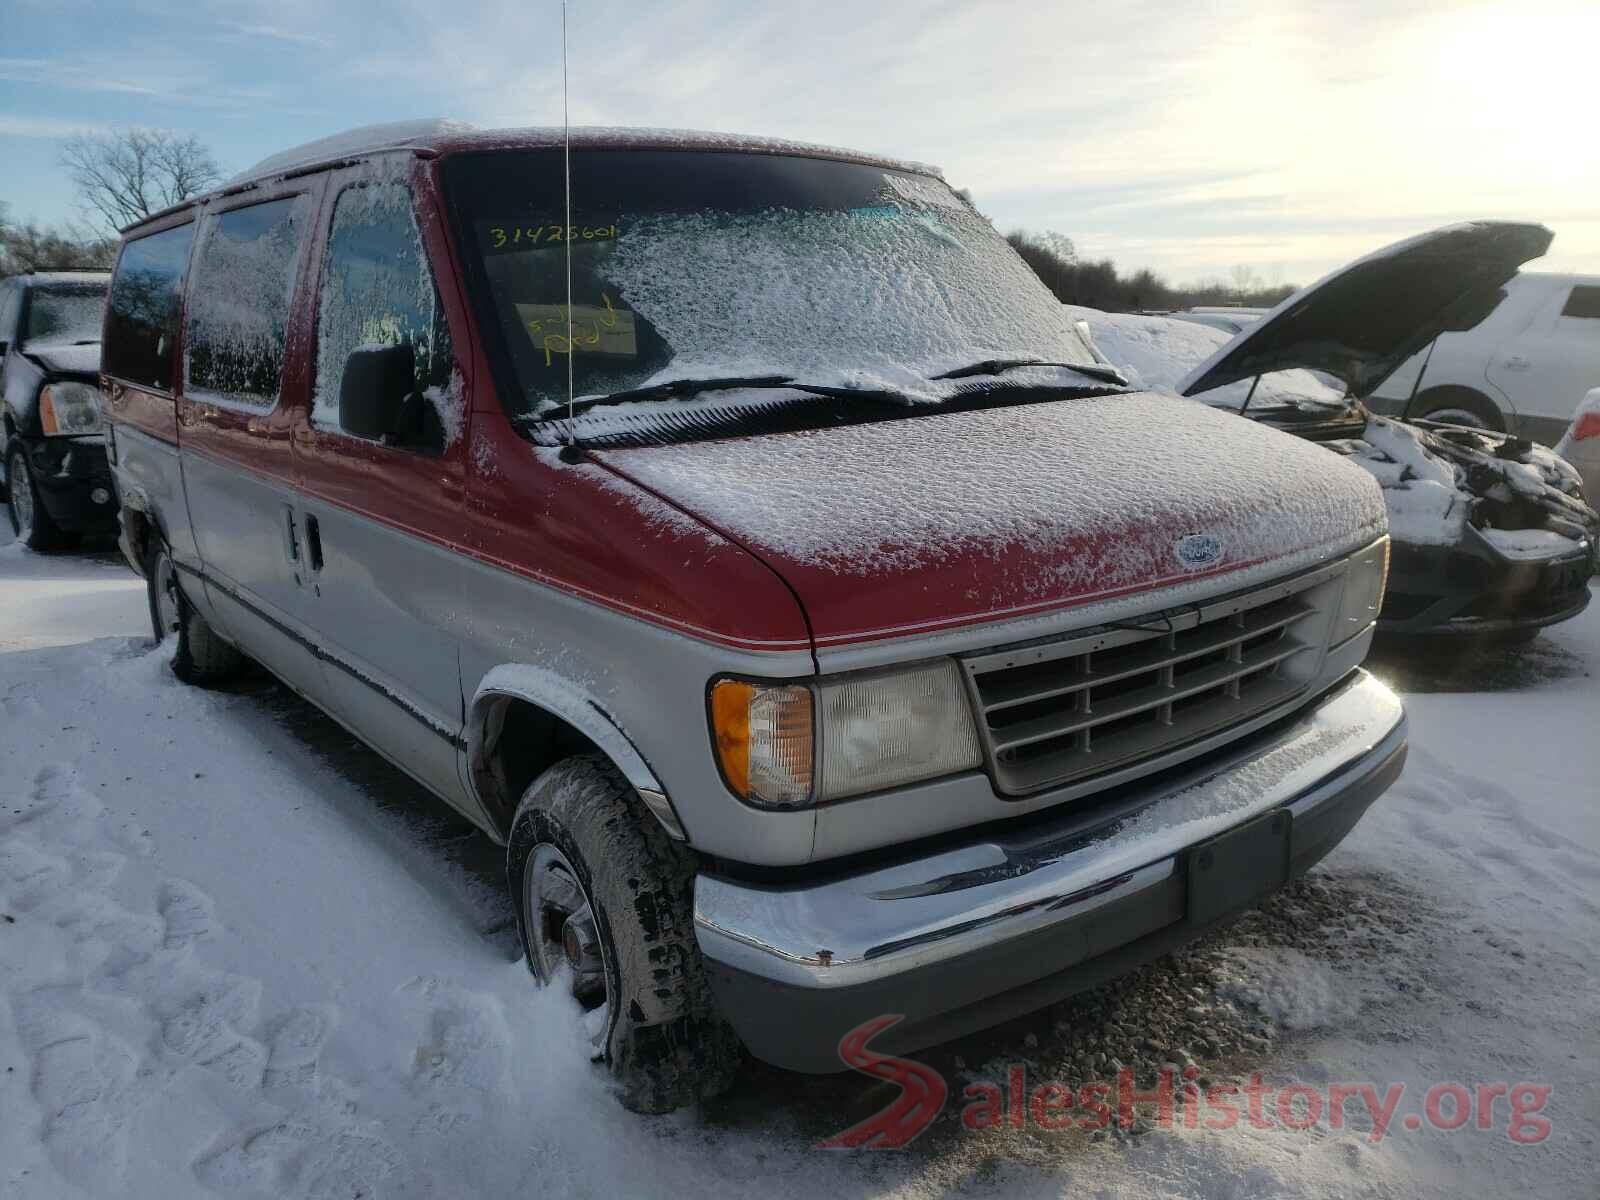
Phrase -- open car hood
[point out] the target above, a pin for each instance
(1361, 322)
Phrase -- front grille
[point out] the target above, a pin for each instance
(1066, 711)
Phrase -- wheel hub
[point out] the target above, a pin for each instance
(167, 607)
(21, 497)
(563, 937)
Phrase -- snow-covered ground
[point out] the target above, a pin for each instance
(239, 955)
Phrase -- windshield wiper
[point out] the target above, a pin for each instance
(672, 389)
(998, 366)
(678, 389)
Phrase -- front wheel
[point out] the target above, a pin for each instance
(29, 521)
(202, 658)
(605, 901)
(1459, 406)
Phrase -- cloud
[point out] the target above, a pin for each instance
(75, 76)
(274, 33)
(17, 125)
(151, 73)
(1184, 138)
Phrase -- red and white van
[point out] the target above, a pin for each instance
(825, 632)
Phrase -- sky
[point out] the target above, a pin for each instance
(1189, 138)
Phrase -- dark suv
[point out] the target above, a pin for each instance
(51, 434)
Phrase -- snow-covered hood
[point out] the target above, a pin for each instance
(65, 358)
(910, 525)
(1364, 320)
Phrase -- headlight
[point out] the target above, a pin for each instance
(1364, 581)
(788, 746)
(70, 409)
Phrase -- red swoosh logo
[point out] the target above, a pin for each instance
(921, 1099)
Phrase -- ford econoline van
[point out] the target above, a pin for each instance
(761, 555)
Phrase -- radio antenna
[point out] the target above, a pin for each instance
(566, 151)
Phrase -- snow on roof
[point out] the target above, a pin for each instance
(439, 135)
(38, 277)
(364, 139)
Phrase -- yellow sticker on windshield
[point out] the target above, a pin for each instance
(596, 328)
(529, 237)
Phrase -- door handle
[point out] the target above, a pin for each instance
(291, 535)
(1516, 362)
(314, 543)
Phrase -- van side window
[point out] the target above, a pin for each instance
(239, 301)
(10, 307)
(377, 290)
(1583, 302)
(142, 313)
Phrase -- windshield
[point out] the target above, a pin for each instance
(691, 265)
(65, 313)
(1157, 352)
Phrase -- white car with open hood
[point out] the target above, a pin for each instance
(1492, 536)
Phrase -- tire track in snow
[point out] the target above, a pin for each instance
(1517, 850)
(60, 854)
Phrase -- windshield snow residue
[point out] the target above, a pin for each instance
(869, 297)
(62, 316)
(701, 265)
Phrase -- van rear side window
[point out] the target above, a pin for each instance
(1583, 302)
(142, 317)
(239, 301)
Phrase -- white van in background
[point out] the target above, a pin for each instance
(1521, 369)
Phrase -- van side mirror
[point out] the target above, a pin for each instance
(376, 394)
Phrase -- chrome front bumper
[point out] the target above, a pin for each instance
(967, 936)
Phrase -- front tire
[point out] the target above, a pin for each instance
(605, 901)
(203, 658)
(1460, 406)
(32, 524)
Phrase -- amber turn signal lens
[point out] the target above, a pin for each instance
(764, 738)
(47, 413)
(730, 726)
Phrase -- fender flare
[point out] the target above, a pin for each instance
(561, 698)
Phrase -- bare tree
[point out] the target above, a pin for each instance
(1058, 244)
(1246, 281)
(126, 175)
(28, 247)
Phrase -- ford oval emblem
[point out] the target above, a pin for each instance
(1198, 550)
